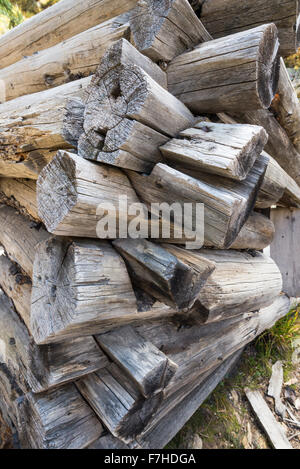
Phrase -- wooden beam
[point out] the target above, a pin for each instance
(75, 58)
(21, 195)
(163, 29)
(143, 363)
(235, 73)
(128, 116)
(80, 186)
(76, 286)
(228, 203)
(35, 126)
(56, 24)
(223, 149)
(171, 275)
(46, 367)
(223, 17)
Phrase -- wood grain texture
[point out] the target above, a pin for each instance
(34, 127)
(228, 203)
(143, 363)
(46, 367)
(236, 73)
(56, 24)
(163, 29)
(76, 285)
(70, 190)
(169, 274)
(226, 150)
(21, 195)
(223, 17)
(257, 233)
(75, 58)
(285, 247)
(58, 419)
(128, 115)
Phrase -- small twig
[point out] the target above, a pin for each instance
(294, 436)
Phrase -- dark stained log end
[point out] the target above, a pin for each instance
(73, 121)
(268, 66)
(56, 190)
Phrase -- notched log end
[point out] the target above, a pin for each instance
(56, 190)
(268, 66)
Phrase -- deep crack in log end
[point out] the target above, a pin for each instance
(268, 66)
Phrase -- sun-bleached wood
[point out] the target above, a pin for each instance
(20, 194)
(223, 17)
(143, 363)
(128, 116)
(56, 24)
(286, 106)
(241, 282)
(34, 127)
(227, 203)
(257, 233)
(163, 29)
(117, 402)
(171, 275)
(226, 150)
(279, 145)
(273, 429)
(70, 190)
(45, 367)
(72, 59)
(58, 419)
(235, 73)
(77, 284)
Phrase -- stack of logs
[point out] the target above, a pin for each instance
(114, 343)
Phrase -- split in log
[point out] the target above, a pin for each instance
(43, 367)
(227, 203)
(241, 282)
(172, 275)
(128, 116)
(75, 58)
(223, 17)
(143, 363)
(286, 107)
(70, 191)
(58, 419)
(21, 195)
(120, 407)
(235, 73)
(163, 29)
(34, 127)
(279, 145)
(56, 24)
(76, 286)
(226, 150)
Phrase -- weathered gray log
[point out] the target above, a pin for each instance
(117, 402)
(20, 194)
(58, 419)
(72, 59)
(45, 367)
(227, 204)
(128, 116)
(163, 29)
(286, 107)
(235, 73)
(140, 360)
(223, 17)
(257, 233)
(226, 150)
(279, 145)
(173, 276)
(76, 286)
(70, 190)
(57, 24)
(241, 282)
(20, 237)
(34, 127)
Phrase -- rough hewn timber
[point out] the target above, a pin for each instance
(21, 195)
(236, 73)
